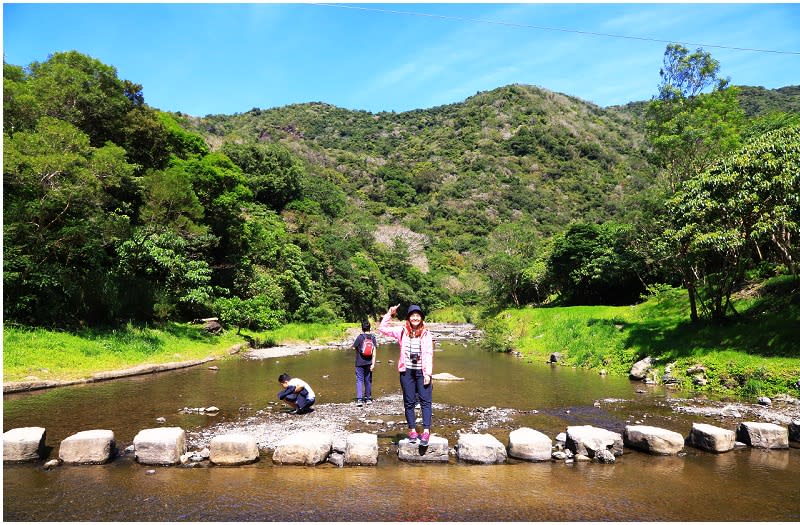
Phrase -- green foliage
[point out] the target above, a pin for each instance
(181, 143)
(115, 210)
(257, 313)
(750, 197)
(83, 91)
(596, 264)
(273, 175)
(497, 335)
(178, 281)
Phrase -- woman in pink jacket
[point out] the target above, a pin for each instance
(415, 366)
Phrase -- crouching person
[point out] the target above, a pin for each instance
(296, 393)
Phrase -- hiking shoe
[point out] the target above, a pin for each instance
(412, 436)
(424, 439)
(369, 401)
(359, 403)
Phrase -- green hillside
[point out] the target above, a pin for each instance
(117, 212)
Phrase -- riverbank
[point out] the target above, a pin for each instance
(339, 335)
(754, 354)
(35, 358)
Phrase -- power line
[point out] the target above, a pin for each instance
(562, 30)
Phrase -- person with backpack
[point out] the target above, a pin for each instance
(415, 366)
(366, 346)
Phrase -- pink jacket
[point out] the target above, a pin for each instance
(399, 334)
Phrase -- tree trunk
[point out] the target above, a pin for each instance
(692, 302)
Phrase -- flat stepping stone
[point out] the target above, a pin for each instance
(23, 444)
(233, 449)
(303, 448)
(653, 440)
(361, 449)
(481, 448)
(710, 438)
(90, 447)
(763, 435)
(444, 376)
(437, 451)
(588, 440)
(160, 446)
(530, 445)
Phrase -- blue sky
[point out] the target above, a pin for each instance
(228, 58)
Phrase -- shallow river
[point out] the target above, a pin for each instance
(742, 485)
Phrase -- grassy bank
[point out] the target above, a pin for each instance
(55, 355)
(755, 354)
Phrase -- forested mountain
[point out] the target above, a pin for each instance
(114, 210)
(500, 155)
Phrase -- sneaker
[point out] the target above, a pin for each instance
(369, 401)
(424, 439)
(359, 403)
(294, 411)
(412, 436)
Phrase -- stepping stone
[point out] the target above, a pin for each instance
(530, 445)
(437, 450)
(361, 449)
(90, 447)
(711, 438)
(653, 440)
(23, 444)
(160, 446)
(587, 440)
(794, 430)
(233, 449)
(303, 448)
(481, 448)
(762, 435)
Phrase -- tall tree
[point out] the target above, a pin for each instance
(722, 214)
(690, 129)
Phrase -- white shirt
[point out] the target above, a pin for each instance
(296, 381)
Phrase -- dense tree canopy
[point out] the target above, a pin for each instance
(116, 211)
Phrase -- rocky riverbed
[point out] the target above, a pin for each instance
(385, 416)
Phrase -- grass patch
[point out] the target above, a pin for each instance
(298, 333)
(56, 355)
(454, 314)
(755, 353)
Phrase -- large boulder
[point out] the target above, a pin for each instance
(762, 435)
(530, 445)
(160, 446)
(361, 449)
(640, 369)
(308, 447)
(587, 440)
(480, 448)
(23, 444)
(233, 449)
(88, 447)
(711, 438)
(437, 450)
(794, 430)
(652, 440)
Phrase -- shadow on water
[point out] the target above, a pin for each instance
(694, 487)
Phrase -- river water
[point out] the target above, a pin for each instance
(742, 485)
